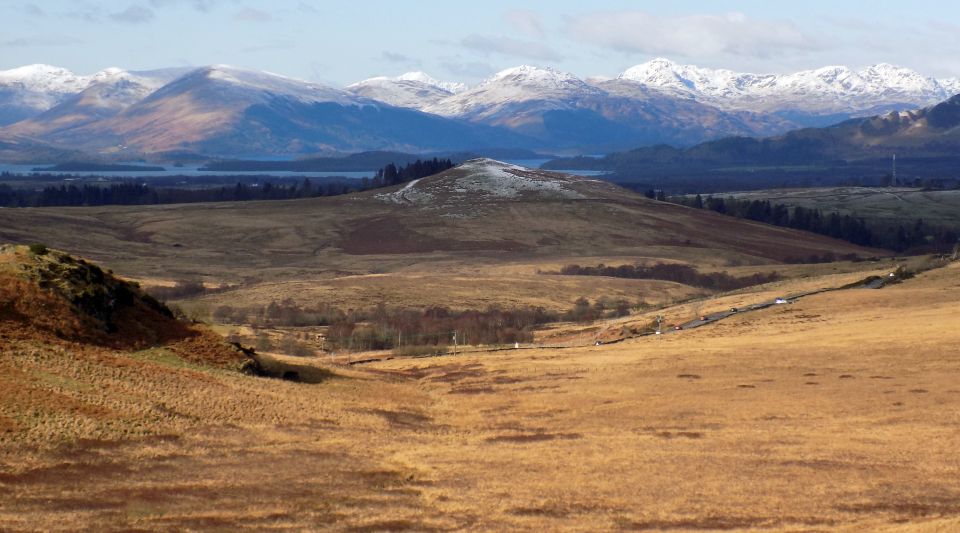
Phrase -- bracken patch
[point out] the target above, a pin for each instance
(535, 437)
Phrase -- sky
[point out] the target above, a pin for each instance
(340, 42)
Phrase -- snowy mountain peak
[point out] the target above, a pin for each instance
(44, 78)
(499, 99)
(231, 74)
(260, 86)
(659, 72)
(110, 72)
(111, 75)
(422, 77)
(38, 70)
(658, 64)
(831, 70)
(418, 77)
(246, 76)
(829, 89)
(527, 74)
(414, 90)
(889, 75)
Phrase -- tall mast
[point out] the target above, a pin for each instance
(894, 169)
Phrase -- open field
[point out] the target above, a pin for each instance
(839, 412)
(441, 241)
(895, 205)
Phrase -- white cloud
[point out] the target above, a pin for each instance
(461, 67)
(304, 7)
(393, 57)
(85, 11)
(508, 46)
(691, 36)
(253, 15)
(525, 21)
(34, 10)
(134, 15)
(199, 5)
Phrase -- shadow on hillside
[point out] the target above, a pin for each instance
(268, 366)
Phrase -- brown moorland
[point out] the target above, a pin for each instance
(838, 412)
(470, 237)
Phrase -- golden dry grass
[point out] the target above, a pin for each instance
(358, 249)
(839, 412)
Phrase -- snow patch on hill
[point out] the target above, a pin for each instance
(502, 180)
(408, 195)
(482, 179)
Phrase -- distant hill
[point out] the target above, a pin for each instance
(30, 151)
(358, 162)
(83, 166)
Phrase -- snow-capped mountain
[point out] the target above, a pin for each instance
(234, 112)
(562, 110)
(867, 143)
(498, 96)
(240, 83)
(224, 109)
(115, 89)
(422, 77)
(204, 102)
(28, 91)
(32, 89)
(414, 90)
(44, 78)
(824, 91)
(107, 93)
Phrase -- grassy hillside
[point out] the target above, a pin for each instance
(834, 413)
(88, 355)
(447, 240)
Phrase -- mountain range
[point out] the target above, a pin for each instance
(924, 140)
(225, 111)
(806, 95)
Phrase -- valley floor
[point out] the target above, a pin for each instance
(839, 412)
